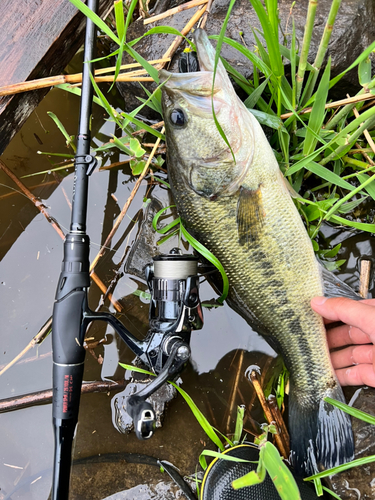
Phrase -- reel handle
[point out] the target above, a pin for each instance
(143, 416)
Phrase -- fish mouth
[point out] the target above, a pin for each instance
(205, 51)
(206, 58)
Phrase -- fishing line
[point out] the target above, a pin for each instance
(175, 269)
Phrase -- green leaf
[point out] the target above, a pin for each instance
(121, 146)
(266, 119)
(247, 53)
(370, 188)
(353, 125)
(330, 253)
(253, 98)
(224, 456)
(239, 424)
(253, 477)
(337, 78)
(77, 91)
(341, 468)
(143, 125)
(362, 226)
(153, 72)
(332, 493)
(206, 426)
(346, 208)
(60, 126)
(217, 57)
(137, 166)
(364, 72)
(136, 369)
(129, 15)
(95, 19)
(348, 196)
(270, 33)
(329, 176)
(318, 112)
(119, 17)
(136, 148)
(280, 474)
(111, 111)
(211, 258)
(354, 412)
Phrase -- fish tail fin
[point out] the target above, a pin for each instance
(321, 434)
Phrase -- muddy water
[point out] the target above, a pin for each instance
(31, 253)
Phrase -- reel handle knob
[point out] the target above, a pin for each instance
(143, 416)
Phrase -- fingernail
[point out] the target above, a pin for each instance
(318, 301)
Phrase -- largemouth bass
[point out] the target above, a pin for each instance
(243, 213)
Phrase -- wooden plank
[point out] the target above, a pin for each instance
(38, 38)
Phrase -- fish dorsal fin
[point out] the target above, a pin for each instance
(334, 287)
(250, 215)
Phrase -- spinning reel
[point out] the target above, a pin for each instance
(175, 310)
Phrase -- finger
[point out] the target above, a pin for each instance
(353, 355)
(357, 375)
(346, 335)
(360, 314)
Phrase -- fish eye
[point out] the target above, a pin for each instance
(178, 118)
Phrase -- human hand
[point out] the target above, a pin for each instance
(354, 365)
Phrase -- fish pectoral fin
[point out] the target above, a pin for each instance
(250, 215)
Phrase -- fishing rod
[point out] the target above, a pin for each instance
(71, 295)
(175, 308)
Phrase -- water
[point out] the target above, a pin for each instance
(31, 254)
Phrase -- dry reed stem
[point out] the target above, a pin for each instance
(175, 10)
(39, 337)
(365, 132)
(363, 152)
(203, 21)
(364, 279)
(280, 424)
(234, 391)
(15, 191)
(142, 130)
(335, 104)
(267, 411)
(34, 398)
(104, 290)
(51, 81)
(38, 204)
(126, 206)
(177, 41)
(31, 359)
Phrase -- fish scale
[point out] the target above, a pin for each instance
(241, 210)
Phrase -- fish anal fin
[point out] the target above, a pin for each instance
(250, 215)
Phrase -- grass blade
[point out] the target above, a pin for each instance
(211, 258)
(119, 17)
(204, 423)
(354, 412)
(60, 126)
(253, 98)
(317, 113)
(269, 24)
(95, 19)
